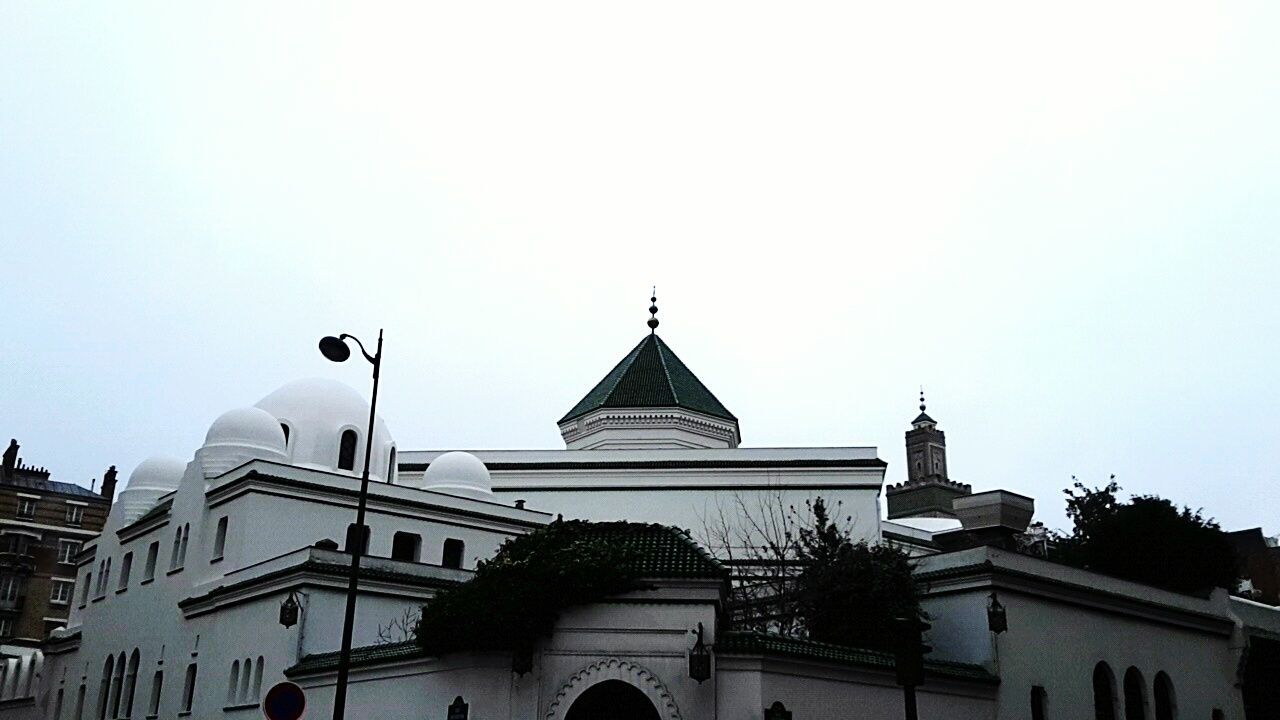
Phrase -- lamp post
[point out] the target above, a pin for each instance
(335, 349)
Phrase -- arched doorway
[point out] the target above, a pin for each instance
(612, 700)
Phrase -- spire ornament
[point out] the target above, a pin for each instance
(921, 398)
(653, 311)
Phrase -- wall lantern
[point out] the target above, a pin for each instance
(289, 610)
(997, 620)
(699, 659)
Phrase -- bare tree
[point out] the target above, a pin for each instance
(402, 628)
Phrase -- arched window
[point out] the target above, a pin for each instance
(130, 683)
(117, 684)
(246, 680)
(1039, 703)
(157, 685)
(182, 552)
(285, 429)
(347, 450)
(1104, 692)
(233, 685)
(391, 466)
(177, 548)
(453, 549)
(257, 679)
(1166, 702)
(1135, 695)
(57, 705)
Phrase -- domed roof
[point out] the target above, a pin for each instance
(247, 426)
(317, 411)
(157, 472)
(458, 473)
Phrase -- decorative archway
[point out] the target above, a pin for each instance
(628, 672)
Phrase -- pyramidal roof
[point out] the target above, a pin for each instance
(650, 376)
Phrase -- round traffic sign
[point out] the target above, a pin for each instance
(284, 701)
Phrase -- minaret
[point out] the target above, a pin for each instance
(928, 491)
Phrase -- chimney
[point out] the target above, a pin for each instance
(994, 517)
(10, 460)
(109, 483)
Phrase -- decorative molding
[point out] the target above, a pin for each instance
(603, 419)
(614, 668)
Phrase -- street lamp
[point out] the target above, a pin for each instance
(336, 349)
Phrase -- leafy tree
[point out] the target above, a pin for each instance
(849, 593)
(1148, 540)
(515, 598)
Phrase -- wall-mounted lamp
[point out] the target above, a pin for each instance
(699, 659)
(997, 619)
(289, 610)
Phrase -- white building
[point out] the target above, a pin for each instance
(178, 604)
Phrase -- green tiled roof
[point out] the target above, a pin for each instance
(367, 655)
(662, 551)
(752, 643)
(650, 376)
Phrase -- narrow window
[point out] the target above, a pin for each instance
(1135, 695)
(104, 687)
(75, 515)
(453, 549)
(84, 591)
(1039, 699)
(117, 683)
(347, 450)
(57, 705)
(130, 684)
(233, 684)
(177, 547)
(182, 553)
(391, 467)
(220, 539)
(285, 428)
(126, 566)
(246, 679)
(189, 688)
(1166, 704)
(80, 702)
(104, 582)
(1104, 693)
(6, 628)
(153, 552)
(351, 539)
(406, 546)
(257, 679)
(157, 682)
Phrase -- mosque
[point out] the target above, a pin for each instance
(221, 576)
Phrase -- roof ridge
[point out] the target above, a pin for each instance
(666, 371)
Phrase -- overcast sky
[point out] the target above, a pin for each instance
(1060, 219)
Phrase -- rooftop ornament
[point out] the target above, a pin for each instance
(700, 659)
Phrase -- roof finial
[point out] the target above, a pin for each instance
(921, 398)
(653, 311)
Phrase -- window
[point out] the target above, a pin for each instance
(406, 546)
(149, 572)
(75, 515)
(104, 687)
(130, 684)
(347, 450)
(233, 684)
(246, 679)
(16, 544)
(1135, 695)
(57, 705)
(80, 702)
(117, 683)
(177, 546)
(352, 531)
(1166, 705)
(391, 467)
(157, 683)
(1104, 693)
(257, 679)
(182, 553)
(220, 539)
(6, 627)
(453, 549)
(189, 688)
(67, 551)
(10, 589)
(285, 429)
(26, 507)
(1039, 699)
(126, 565)
(104, 580)
(84, 591)
(61, 591)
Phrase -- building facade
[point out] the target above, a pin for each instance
(43, 526)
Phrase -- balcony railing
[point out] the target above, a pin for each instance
(13, 604)
(12, 560)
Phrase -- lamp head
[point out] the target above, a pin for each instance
(334, 349)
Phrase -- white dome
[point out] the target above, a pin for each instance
(458, 473)
(154, 478)
(247, 426)
(237, 437)
(317, 412)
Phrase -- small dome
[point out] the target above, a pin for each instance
(247, 426)
(154, 478)
(157, 472)
(458, 473)
(317, 412)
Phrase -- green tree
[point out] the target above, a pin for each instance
(1148, 540)
(849, 593)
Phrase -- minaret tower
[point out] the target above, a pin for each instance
(928, 491)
